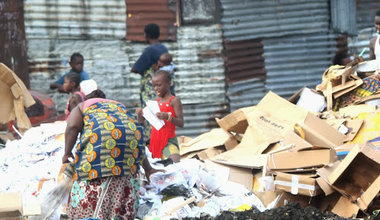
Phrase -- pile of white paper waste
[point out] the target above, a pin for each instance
(188, 189)
(31, 166)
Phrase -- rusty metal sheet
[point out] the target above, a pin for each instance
(143, 12)
(244, 60)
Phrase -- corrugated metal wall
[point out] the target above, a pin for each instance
(366, 10)
(200, 80)
(56, 29)
(298, 46)
(296, 61)
(143, 12)
(343, 16)
(245, 71)
(73, 19)
(13, 51)
(244, 60)
(256, 19)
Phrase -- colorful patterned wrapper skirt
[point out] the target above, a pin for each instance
(104, 198)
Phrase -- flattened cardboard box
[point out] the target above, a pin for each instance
(213, 138)
(323, 173)
(345, 208)
(306, 158)
(281, 198)
(320, 134)
(268, 124)
(14, 97)
(297, 184)
(288, 111)
(353, 126)
(358, 175)
(286, 198)
(235, 121)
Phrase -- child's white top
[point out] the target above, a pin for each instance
(377, 51)
(170, 68)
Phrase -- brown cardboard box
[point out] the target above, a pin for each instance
(10, 205)
(14, 97)
(345, 208)
(243, 176)
(297, 184)
(340, 90)
(231, 143)
(325, 186)
(268, 124)
(215, 137)
(306, 158)
(323, 174)
(240, 175)
(235, 121)
(283, 198)
(278, 107)
(319, 133)
(266, 197)
(286, 198)
(210, 153)
(241, 158)
(257, 137)
(358, 175)
(292, 138)
(353, 126)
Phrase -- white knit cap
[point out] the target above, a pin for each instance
(88, 86)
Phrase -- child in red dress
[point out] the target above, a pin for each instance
(163, 142)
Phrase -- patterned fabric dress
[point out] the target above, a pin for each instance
(107, 159)
(147, 93)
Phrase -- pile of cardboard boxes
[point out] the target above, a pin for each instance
(296, 150)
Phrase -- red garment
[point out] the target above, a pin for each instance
(159, 138)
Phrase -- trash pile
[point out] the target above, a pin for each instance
(29, 168)
(189, 189)
(319, 148)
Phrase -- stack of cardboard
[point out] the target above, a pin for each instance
(295, 150)
(14, 98)
(352, 84)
